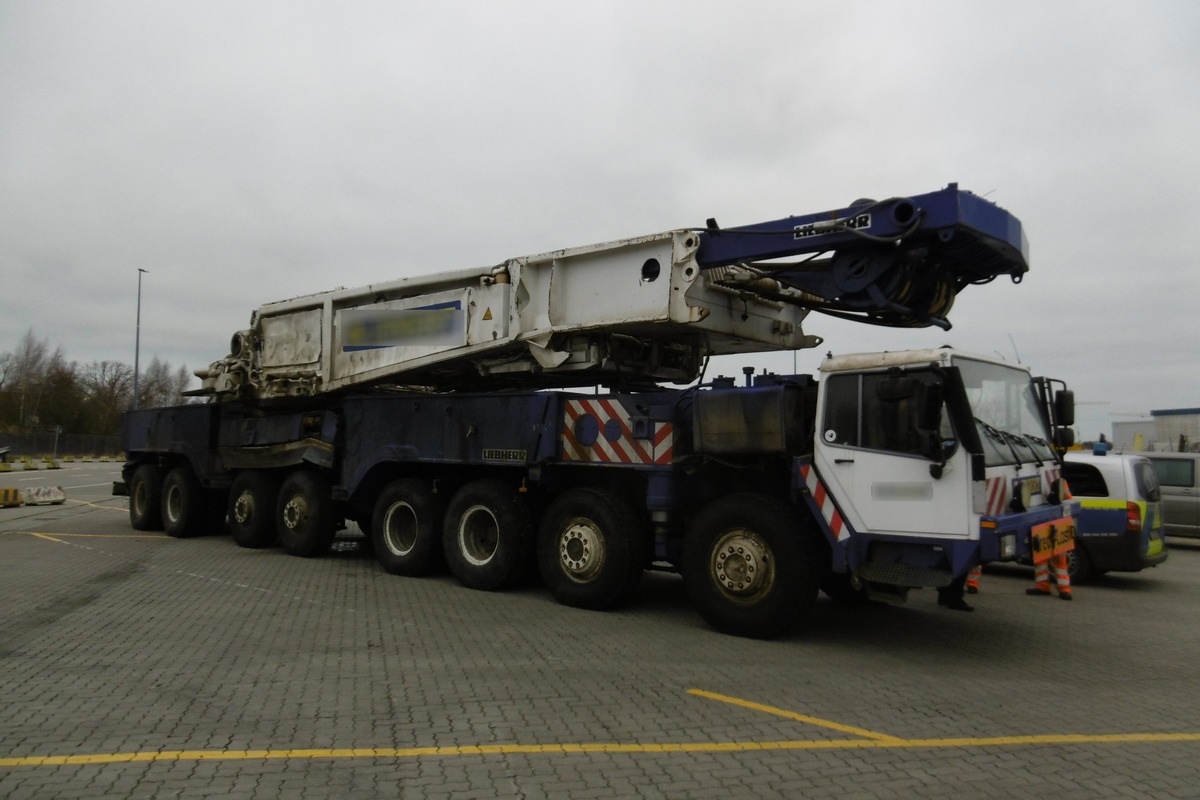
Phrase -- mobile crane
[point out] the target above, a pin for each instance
(446, 415)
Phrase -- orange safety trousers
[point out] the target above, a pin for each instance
(973, 577)
(1062, 577)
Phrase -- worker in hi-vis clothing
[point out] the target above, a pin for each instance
(1062, 577)
(1051, 543)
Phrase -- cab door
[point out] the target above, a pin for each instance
(879, 449)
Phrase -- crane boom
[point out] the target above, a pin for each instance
(633, 312)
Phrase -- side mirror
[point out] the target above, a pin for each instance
(929, 409)
(1064, 407)
(1064, 438)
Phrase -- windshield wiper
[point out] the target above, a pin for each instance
(1000, 436)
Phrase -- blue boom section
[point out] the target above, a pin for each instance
(897, 262)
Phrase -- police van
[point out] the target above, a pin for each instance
(1120, 523)
(1178, 475)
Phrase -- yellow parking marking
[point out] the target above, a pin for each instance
(97, 505)
(868, 740)
(779, 712)
(54, 537)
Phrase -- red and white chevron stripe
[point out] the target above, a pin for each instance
(820, 494)
(621, 448)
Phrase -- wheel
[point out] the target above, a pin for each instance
(304, 517)
(1079, 566)
(184, 511)
(252, 502)
(145, 498)
(406, 528)
(751, 566)
(487, 535)
(590, 549)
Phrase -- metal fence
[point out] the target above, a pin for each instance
(36, 445)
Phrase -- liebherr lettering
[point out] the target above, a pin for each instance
(856, 222)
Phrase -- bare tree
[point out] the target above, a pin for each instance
(108, 390)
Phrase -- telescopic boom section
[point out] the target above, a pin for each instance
(631, 313)
(897, 262)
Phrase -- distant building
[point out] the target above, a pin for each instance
(1177, 429)
(1166, 430)
(1136, 434)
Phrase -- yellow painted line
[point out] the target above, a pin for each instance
(97, 505)
(559, 749)
(52, 537)
(779, 712)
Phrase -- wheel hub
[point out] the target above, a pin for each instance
(741, 563)
(581, 551)
(294, 513)
(243, 508)
(400, 529)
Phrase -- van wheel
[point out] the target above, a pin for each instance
(304, 514)
(145, 498)
(406, 528)
(487, 536)
(183, 504)
(1079, 566)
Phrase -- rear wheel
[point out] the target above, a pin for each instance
(252, 502)
(590, 549)
(304, 516)
(751, 567)
(183, 504)
(406, 528)
(1079, 566)
(145, 498)
(487, 536)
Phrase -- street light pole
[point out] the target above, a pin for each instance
(137, 340)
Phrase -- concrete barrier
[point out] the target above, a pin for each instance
(10, 498)
(45, 496)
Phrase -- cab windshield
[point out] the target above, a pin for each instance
(1006, 413)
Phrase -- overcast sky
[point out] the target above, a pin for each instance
(249, 152)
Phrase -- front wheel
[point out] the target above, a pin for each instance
(304, 514)
(751, 566)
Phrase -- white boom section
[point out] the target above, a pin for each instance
(630, 312)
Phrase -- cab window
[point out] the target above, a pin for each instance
(885, 411)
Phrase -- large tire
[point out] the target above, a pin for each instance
(145, 498)
(304, 516)
(487, 536)
(252, 501)
(406, 528)
(751, 567)
(591, 549)
(184, 507)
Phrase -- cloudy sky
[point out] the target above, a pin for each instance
(250, 152)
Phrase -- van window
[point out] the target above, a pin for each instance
(1175, 471)
(1146, 482)
(1084, 480)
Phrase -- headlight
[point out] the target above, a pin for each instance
(1008, 546)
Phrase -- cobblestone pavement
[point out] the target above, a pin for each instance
(140, 666)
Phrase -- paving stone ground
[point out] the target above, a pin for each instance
(139, 666)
